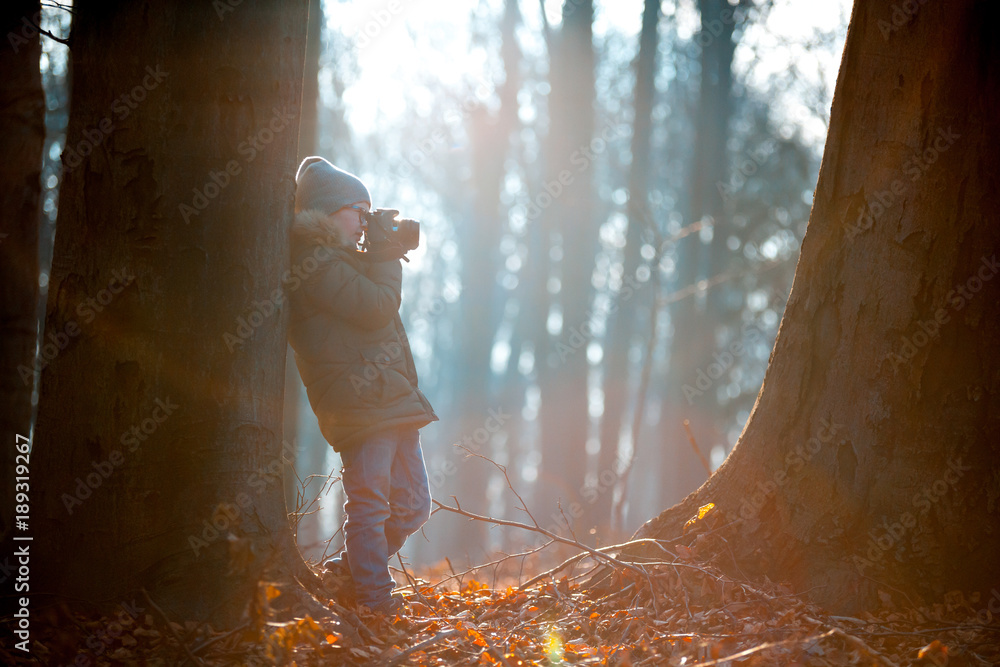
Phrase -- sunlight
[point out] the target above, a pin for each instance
(402, 45)
(546, 439)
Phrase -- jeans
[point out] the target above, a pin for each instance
(388, 499)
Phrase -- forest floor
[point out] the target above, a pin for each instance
(594, 609)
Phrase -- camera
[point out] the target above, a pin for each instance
(385, 230)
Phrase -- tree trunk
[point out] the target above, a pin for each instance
(482, 302)
(624, 322)
(22, 104)
(870, 462)
(563, 368)
(311, 449)
(160, 417)
(693, 322)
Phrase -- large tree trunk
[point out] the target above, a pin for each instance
(872, 455)
(160, 417)
(22, 104)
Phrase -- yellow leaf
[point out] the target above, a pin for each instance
(702, 512)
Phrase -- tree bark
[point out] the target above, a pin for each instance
(870, 461)
(160, 416)
(22, 104)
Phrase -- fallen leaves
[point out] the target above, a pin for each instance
(680, 610)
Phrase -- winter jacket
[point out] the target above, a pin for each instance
(350, 346)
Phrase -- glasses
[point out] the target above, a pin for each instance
(362, 213)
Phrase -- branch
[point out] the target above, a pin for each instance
(535, 529)
(421, 646)
(761, 647)
(499, 561)
(855, 643)
(694, 446)
(503, 469)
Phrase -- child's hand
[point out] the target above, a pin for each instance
(385, 253)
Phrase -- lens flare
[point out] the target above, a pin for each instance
(554, 647)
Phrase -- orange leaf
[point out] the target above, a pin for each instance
(685, 553)
(702, 513)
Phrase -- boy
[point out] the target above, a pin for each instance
(355, 361)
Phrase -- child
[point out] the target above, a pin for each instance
(355, 361)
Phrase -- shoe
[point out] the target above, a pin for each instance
(392, 607)
(338, 580)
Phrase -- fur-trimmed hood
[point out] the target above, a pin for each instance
(309, 229)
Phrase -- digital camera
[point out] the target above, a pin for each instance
(385, 230)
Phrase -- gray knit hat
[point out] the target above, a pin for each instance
(321, 186)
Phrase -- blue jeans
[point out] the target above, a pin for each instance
(388, 499)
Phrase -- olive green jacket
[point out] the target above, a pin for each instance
(350, 346)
